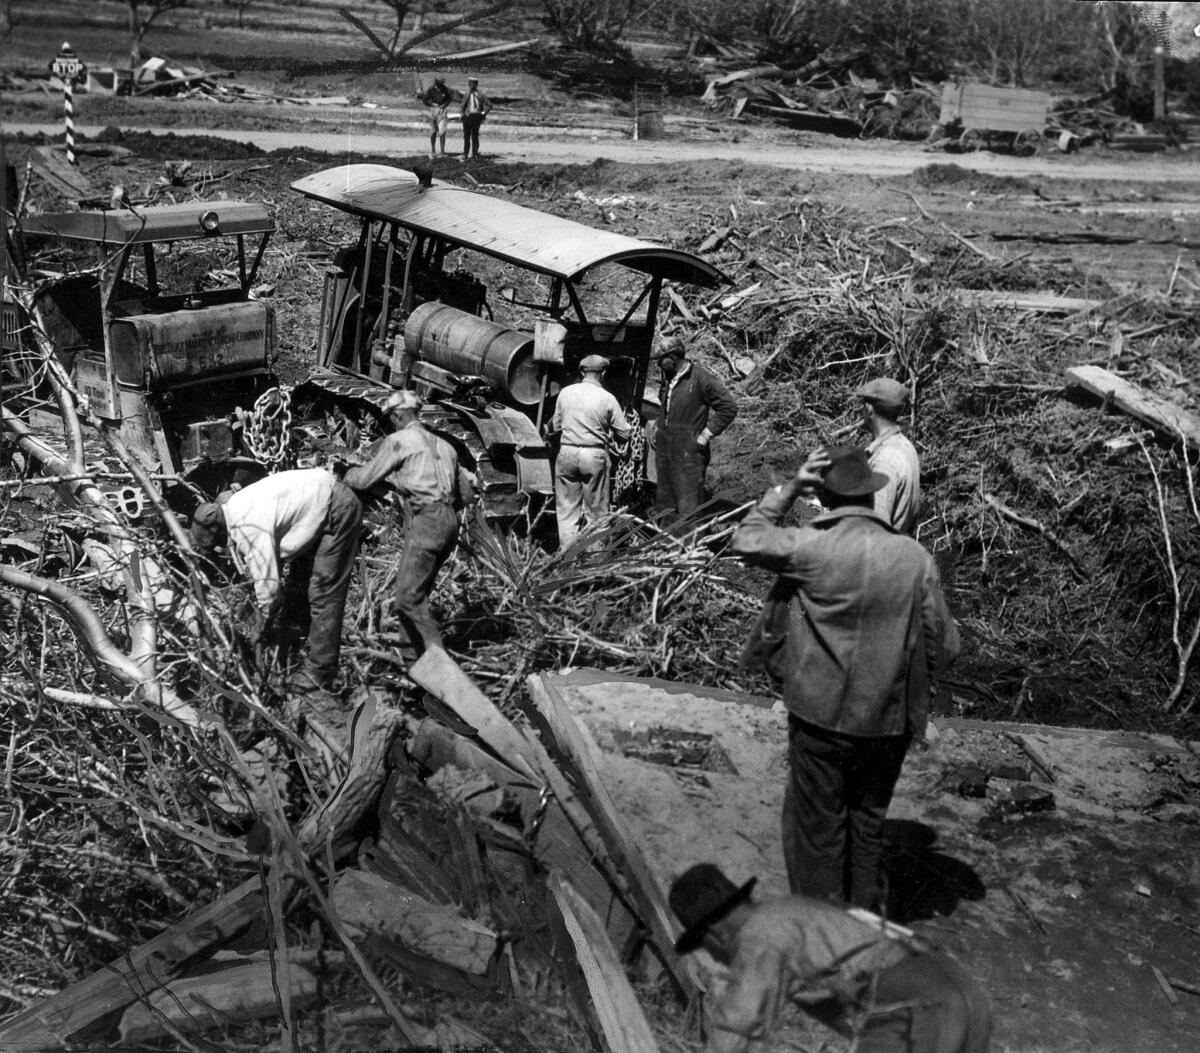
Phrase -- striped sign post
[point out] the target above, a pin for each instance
(67, 68)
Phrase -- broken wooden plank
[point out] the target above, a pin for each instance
(375, 906)
(1144, 405)
(1036, 302)
(1165, 985)
(580, 752)
(373, 729)
(67, 1015)
(495, 49)
(215, 1000)
(71, 183)
(616, 1005)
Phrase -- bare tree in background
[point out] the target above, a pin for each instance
(594, 25)
(240, 7)
(392, 48)
(142, 15)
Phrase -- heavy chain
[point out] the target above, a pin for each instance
(631, 461)
(268, 428)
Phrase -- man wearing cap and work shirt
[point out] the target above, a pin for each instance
(588, 418)
(424, 470)
(886, 988)
(475, 107)
(694, 408)
(891, 453)
(853, 631)
(287, 517)
(437, 97)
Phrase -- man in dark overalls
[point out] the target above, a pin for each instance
(694, 408)
(424, 470)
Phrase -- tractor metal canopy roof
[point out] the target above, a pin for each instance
(129, 226)
(557, 247)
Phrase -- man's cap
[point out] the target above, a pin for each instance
(885, 392)
(594, 363)
(700, 897)
(472, 80)
(208, 521)
(670, 345)
(439, 80)
(850, 474)
(402, 400)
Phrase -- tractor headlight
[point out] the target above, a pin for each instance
(210, 222)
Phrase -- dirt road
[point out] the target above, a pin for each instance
(579, 146)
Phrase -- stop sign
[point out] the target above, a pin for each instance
(66, 65)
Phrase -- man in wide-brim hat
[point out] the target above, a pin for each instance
(890, 991)
(853, 630)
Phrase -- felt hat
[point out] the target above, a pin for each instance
(208, 523)
(702, 896)
(401, 400)
(472, 80)
(670, 345)
(849, 474)
(439, 80)
(885, 392)
(594, 364)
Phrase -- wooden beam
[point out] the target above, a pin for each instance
(620, 1014)
(579, 752)
(50, 1024)
(377, 907)
(1144, 405)
(214, 1000)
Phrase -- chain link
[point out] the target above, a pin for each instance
(268, 428)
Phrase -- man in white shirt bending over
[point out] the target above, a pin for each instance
(281, 518)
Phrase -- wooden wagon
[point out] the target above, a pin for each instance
(975, 115)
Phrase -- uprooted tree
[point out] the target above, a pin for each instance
(392, 49)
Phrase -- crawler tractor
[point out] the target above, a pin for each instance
(416, 301)
(151, 312)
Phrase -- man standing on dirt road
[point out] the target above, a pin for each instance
(891, 452)
(303, 517)
(853, 630)
(587, 417)
(424, 470)
(437, 97)
(475, 107)
(694, 408)
(889, 991)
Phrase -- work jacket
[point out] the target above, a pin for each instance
(866, 622)
(694, 399)
(423, 468)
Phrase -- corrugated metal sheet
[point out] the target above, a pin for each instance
(557, 247)
(127, 226)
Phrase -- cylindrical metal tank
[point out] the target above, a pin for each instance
(471, 346)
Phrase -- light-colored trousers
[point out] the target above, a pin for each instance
(580, 485)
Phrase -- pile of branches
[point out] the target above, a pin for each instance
(1039, 509)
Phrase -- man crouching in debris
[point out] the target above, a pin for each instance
(424, 470)
(886, 989)
(292, 516)
(853, 630)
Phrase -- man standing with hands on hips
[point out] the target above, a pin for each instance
(694, 408)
